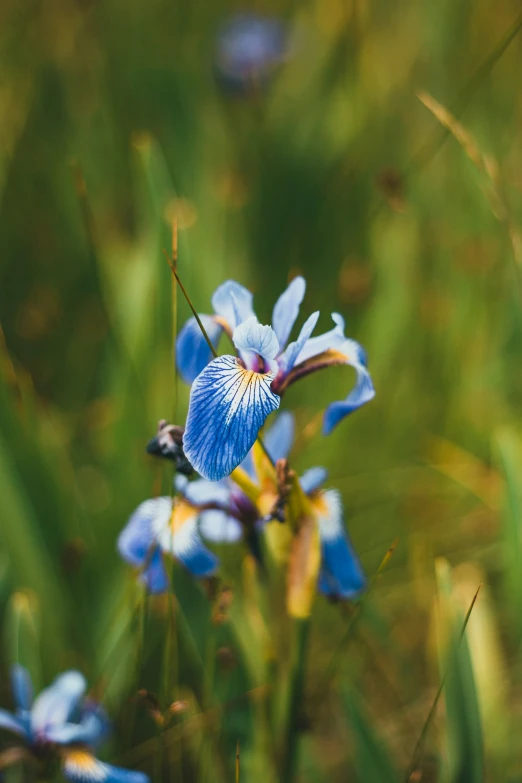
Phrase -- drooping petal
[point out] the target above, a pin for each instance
(251, 337)
(312, 479)
(287, 360)
(286, 310)
(228, 405)
(233, 302)
(181, 538)
(80, 766)
(341, 572)
(192, 350)
(362, 392)
(55, 705)
(11, 723)
(279, 437)
(137, 537)
(154, 576)
(22, 687)
(219, 527)
(323, 342)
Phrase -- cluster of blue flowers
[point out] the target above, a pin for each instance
(231, 397)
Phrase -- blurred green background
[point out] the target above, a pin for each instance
(111, 124)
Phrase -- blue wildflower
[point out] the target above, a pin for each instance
(249, 48)
(61, 724)
(232, 396)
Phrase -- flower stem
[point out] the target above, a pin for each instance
(295, 698)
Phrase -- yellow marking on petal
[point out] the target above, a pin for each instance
(182, 512)
(83, 764)
(319, 504)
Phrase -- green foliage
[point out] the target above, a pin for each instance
(112, 124)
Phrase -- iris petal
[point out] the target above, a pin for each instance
(57, 703)
(154, 576)
(228, 405)
(192, 350)
(181, 539)
(22, 687)
(88, 731)
(11, 723)
(81, 766)
(253, 337)
(312, 479)
(279, 437)
(137, 537)
(341, 573)
(323, 342)
(201, 492)
(286, 310)
(233, 302)
(219, 527)
(362, 392)
(289, 357)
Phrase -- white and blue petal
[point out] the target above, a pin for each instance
(219, 527)
(233, 302)
(181, 539)
(228, 406)
(286, 310)
(137, 537)
(289, 357)
(56, 704)
(22, 687)
(90, 729)
(192, 350)
(279, 437)
(341, 573)
(202, 492)
(313, 479)
(251, 337)
(80, 766)
(323, 342)
(13, 724)
(362, 392)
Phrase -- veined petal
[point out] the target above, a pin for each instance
(22, 687)
(362, 392)
(233, 302)
(219, 527)
(11, 723)
(279, 437)
(181, 539)
(228, 405)
(80, 766)
(253, 337)
(312, 479)
(323, 342)
(286, 310)
(137, 537)
(56, 704)
(287, 360)
(192, 350)
(341, 573)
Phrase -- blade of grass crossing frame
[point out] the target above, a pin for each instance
(370, 756)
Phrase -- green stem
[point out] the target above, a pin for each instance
(290, 751)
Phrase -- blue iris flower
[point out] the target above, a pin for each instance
(249, 48)
(219, 512)
(61, 723)
(232, 396)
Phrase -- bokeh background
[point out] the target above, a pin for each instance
(112, 124)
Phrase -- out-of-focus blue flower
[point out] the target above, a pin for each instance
(341, 574)
(165, 527)
(61, 723)
(248, 50)
(232, 396)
